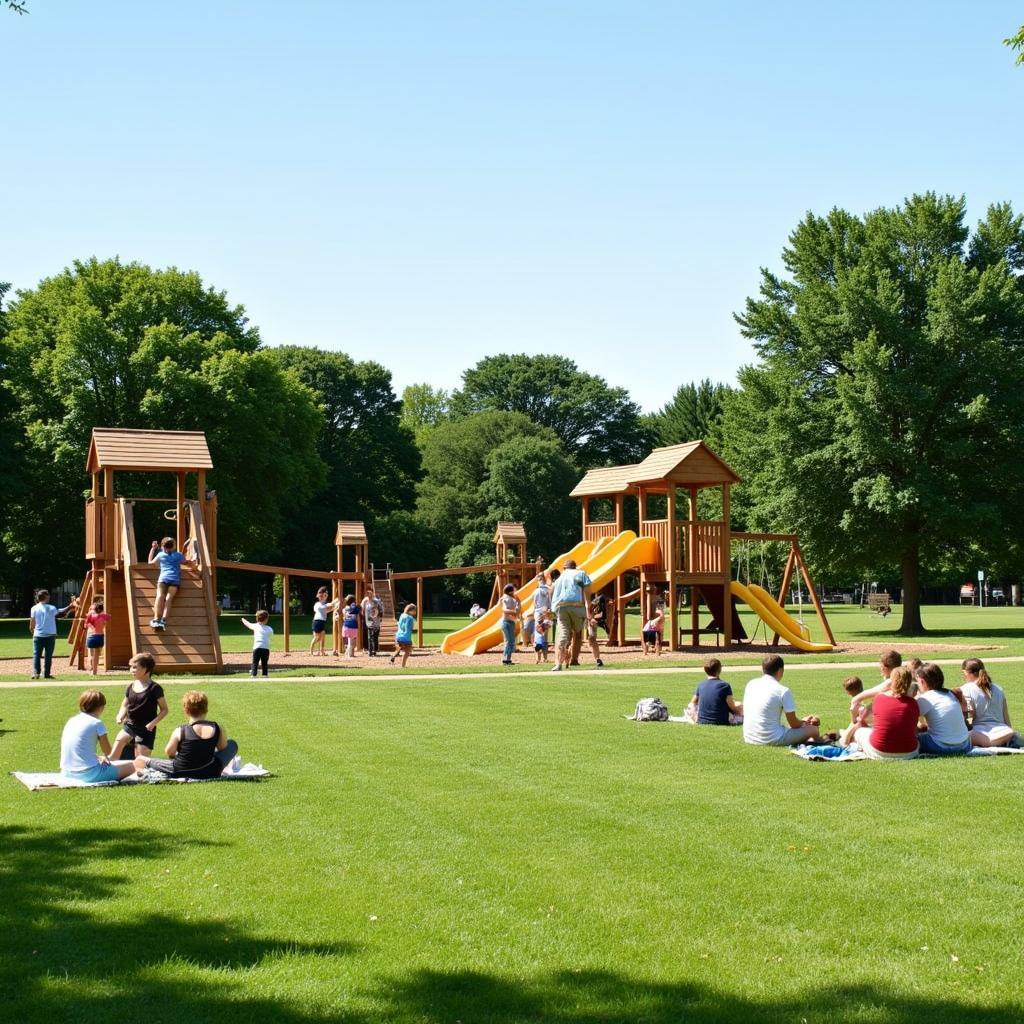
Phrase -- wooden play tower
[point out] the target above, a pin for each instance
(695, 553)
(119, 573)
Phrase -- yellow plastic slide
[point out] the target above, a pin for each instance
(485, 632)
(602, 563)
(797, 627)
(776, 617)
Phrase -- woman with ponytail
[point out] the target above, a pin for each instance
(991, 726)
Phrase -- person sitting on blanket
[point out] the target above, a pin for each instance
(991, 724)
(78, 741)
(945, 730)
(890, 660)
(712, 702)
(765, 700)
(198, 749)
(893, 733)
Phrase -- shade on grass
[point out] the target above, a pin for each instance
(509, 850)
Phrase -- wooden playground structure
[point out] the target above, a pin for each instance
(672, 555)
(693, 553)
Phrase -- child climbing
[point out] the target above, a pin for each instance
(261, 634)
(169, 581)
(95, 625)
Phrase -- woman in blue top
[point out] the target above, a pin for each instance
(403, 638)
(168, 581)
(42, 624)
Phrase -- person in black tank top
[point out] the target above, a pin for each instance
(199, 749)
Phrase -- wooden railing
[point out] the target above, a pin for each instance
(659, 529)
(596, 531)
(701, 543)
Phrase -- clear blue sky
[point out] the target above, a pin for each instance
(425, 183)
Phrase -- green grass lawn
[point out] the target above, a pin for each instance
(969, 628)
(507, 851)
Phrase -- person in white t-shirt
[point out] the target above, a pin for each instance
(78, 742)
(765, 701)
(946, 734)
(321, 609)
(261, 634)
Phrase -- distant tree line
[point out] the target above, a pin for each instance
(882, 418)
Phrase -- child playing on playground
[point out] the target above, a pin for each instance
(653, 630)
(169, 581)
(95, 623)
(529, 629)
(403, 636)
(540, 635)
(350, 625)
(196, 750)
(78, 742)
(142, 709)
(321, 609)
(261, 634)
(42, 624)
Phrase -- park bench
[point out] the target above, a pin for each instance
(881, 604)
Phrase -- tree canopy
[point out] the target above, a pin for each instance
(597, 424)
(883, 421)
(371, 462)
(1016, 42)
(112, 344)
(693, 414)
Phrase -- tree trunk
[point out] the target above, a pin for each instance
(911, 566)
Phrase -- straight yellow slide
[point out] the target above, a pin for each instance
(766, 608)
(485, 632)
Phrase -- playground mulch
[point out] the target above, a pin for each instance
(431, 657)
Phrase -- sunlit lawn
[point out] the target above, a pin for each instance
(509, 851)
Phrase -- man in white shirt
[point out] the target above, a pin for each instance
(765, 700)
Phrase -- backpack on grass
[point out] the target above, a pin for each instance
(650, 709)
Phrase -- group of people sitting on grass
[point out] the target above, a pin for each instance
(197, 749)
(909, 712)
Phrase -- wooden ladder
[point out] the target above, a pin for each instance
(191, 641)
(384, 588)
(92, 588)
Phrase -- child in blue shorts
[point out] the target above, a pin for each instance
(78, 743)
(169, 581)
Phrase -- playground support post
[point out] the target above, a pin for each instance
(285, 611)
(419, 611)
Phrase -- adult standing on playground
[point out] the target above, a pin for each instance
(42, 624)
(569, 601)
(510, 608)
(373, 612)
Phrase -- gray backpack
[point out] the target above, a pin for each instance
(650, 709)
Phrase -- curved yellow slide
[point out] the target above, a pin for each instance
(769, 599)
(485, 632)
(602, 563)
(766, 608)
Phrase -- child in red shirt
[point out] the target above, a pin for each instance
(95, 623)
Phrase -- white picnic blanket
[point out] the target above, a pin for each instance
(54, 780)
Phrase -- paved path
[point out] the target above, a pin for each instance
(82, 681)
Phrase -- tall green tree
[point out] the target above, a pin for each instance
(597, 424)
(110, 344)
(693, 414)
(490, 466)
(371, 460)
(424, 406)
(883, 421)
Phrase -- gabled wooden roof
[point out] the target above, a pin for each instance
(692, 464)
(599, 482)
(510, 533)
(350, 533)
(166, 451)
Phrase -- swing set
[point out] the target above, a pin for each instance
(794, 561)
